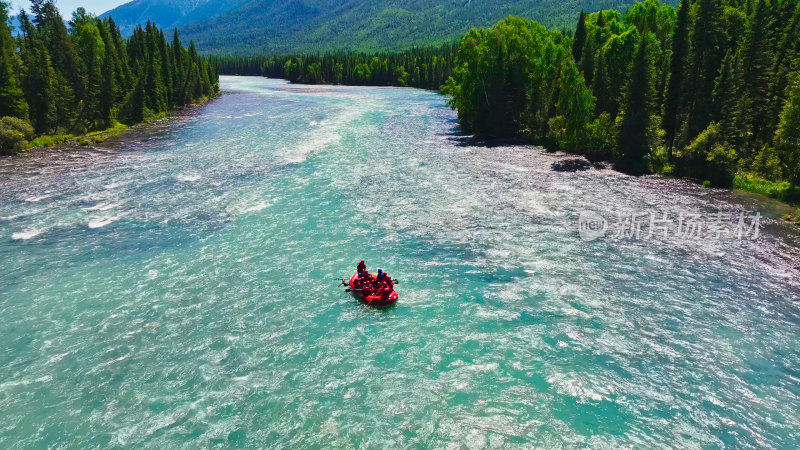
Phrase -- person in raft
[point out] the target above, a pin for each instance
(361, 269)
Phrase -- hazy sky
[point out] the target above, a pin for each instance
(66, 7)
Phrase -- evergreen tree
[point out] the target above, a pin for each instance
(92, 53)
(674, 97)
(633, 143)
(580, 39)
(154, 84)
(122, 74)
(166, 69)
(704, 62)
(757, 59)
(787, 138)
(179, 59)
(601, 86)
(726, 95)
(80, 79)
(12, 99)
(38, 77)
(108, 79)
(62, 50)
(786, 62)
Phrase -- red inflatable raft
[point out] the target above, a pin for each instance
(374, 300)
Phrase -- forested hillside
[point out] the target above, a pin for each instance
(709, 90)
(307, 26)
(167, 14)
(70, 78)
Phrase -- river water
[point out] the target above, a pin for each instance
(173, 288)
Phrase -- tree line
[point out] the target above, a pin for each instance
(426, 68)
(80, 76)
(707, 90)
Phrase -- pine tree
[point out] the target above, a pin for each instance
(80, 79)
(580, 39)
(757, 59)
(787, 138)
(12, 99)
(704, 62)
(122, 75)
(38, 78)
(633, 144)
(588, 56)
(92, 53)
(179, 60)
(62, 49)
(154, 83)
(134, 109)
(601, 86)
(166, 69)
(674, 97)
(109, 78)
(726, 95)
(786, 61)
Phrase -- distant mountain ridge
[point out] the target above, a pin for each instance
(168, 13)
(288, 26)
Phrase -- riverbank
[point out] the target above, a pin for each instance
(782, 191)
(66, 141)
(69, 140)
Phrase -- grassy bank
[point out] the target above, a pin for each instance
(95, 137)
(779, 190)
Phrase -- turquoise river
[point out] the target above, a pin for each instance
(174, 287)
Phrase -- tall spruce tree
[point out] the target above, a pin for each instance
(726, 95)
(785, 63)
(580, 38)
(62, 49)
(108, 78)
(38, 77)
(787, 138)
(179, 59)
(633, 143)
(706, 36)
(12, 99)
(757, 57)
(675, 95)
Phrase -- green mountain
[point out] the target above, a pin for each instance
(168, 13)
(282, 26)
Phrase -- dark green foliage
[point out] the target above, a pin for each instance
(675, 93)
(705, 57)
(787, 138)
(632, 142)
(427, 68)
(580, 39)
(757, 59)
(726, 92)
(78, 79)
(271, 27)
(705, 92)
(12, 100)
(38, 79)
